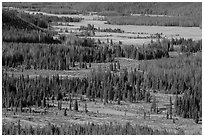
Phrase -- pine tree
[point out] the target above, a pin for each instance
(147, 96)
(75, 105)
(118, 65)
(111, 42)
(105, 95)
(99, 42)
(86, 110)
(119, 95)
(167, 114)
(44, 102)
(59, 96)
(59, 105)
(114, 66)
(176, 105)
(196, 118)
(70, 103)
(170, 108)
(154, 105)
(89, 64)
(19, 127)
(111, 67)
(65, 112)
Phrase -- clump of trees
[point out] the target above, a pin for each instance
(186, 45)
(24, 91)
(91, 27)
(54, 57)
(180, 75)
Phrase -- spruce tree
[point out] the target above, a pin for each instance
(118, 65)
(86, 110)
(65, 112)
(105, 95)
(196, 118)
(70, 103)
(154, 105)
(170, 108)
(75, 105)
(147, 96)
(89, 64)
(176, 104)
(44, 102)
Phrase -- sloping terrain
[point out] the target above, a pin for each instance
(11, 19)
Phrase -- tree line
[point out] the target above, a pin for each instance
(61, 56)
(91, 27)
(54, 57)
(186, 45)
(154, 21)
(64, 56)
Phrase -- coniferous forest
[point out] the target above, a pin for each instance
(170, 85)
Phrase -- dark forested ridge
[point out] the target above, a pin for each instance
(186, 14)
(162, 8)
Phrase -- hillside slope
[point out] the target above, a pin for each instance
(18, 29)
(10, 19)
